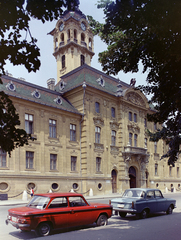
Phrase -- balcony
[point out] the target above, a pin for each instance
(139, 154)
(135, 150)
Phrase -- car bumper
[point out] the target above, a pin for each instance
(17, 225)
(125, 210)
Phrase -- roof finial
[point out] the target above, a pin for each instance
(72, 5)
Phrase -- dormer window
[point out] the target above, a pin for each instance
(61, 85)
(36, 94)
(58, 100)
(101, 81)
(10, 86)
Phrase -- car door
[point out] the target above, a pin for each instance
(151, 201)
(80, 212)
(59, 212)
(161, 202)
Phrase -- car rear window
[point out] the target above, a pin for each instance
(39, 202)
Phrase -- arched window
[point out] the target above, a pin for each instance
(68, 34)
(135, 140)
(90, 44)
(82, 60)
(82, 37)
(97, 134)
(62, 37)
(113, 138)
(75, 35)
(130, 139)
(63, 61)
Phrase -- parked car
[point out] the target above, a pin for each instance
(142, 201)
(46, 212)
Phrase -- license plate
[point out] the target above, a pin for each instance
(120, 205)
(14, 219)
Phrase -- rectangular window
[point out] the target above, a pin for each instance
(53, 161)
(170, 171)
(113, 112)
(29, 160)
(135, 117)
(155, 147)
(145, 122)
(155, 126)
(72, 132)
(82, 60)
(130, 116)
(156, 169)
(97, 107)
(98, 164)
(178, 172)
(113, 138)
(52, 128)
(73, 163)
(63, 61)
(97, 134)
(29, 123)
(135, 140)
(130, 139)
(2, 158)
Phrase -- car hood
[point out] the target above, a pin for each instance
(123, 200)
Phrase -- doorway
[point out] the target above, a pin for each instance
(114, 181)
(132, 177)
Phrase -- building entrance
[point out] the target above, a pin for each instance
(114, 181)
(132, 177)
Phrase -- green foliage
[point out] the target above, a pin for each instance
(148, 31)
(15, 16)
(10, 135)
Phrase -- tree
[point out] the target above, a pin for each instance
(148, 31)
(15, 16)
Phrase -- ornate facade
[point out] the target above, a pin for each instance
(90, 127)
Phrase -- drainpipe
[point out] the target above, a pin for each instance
(84, 87)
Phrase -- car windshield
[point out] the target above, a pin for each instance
(39, 202)
(134, 193)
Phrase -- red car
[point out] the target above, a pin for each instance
(46, 212)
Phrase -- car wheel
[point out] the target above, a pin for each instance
(144, 214)
(102, 220)
(122, 214)
(169, 210)
(43, 229)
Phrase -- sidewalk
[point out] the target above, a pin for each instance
(24, 202)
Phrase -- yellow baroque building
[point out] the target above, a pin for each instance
(90, 127)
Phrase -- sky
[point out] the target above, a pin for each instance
(48, 63)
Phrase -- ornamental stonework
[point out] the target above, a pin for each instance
(135, 99)
(132, 126)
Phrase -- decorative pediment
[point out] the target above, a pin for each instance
(114, 125)
(135, 99)
(98, 121)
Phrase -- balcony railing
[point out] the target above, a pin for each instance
(135, 150)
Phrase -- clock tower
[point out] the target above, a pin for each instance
(73, 42)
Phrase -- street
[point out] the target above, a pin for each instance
(158, 226)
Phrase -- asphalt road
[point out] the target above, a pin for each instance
(158, 226)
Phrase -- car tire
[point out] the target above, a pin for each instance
(144, 214)
(169, 210)
(102, 220)
(122, 214)
(43, 229)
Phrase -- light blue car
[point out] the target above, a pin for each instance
(142, 201)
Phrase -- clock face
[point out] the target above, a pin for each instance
(61, 27)
(83, 26)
